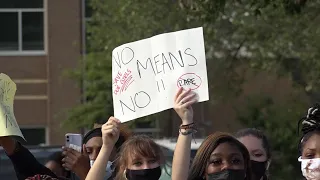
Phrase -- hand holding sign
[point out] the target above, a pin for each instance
(183, 101)
(8, 123)
(110, 132)
(147, 73)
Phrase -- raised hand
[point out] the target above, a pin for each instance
(110, 132)
(182, 105)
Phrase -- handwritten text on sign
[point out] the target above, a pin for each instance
(147, 73)
(8, 123)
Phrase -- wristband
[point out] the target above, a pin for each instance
(187, 126)
(187, 132)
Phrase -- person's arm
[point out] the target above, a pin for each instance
(25, 164)
(110, 135)
(98, 170)
(181, 158)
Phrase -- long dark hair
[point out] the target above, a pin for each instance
(200, 161)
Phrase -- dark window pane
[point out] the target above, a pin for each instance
(32, 31)
(21, 4)
(9, 32)
(34, 136)
(88, 10)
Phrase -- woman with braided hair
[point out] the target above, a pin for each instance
(309, 145)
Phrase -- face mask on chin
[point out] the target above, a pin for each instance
(109, 170)
(258, 169)
(143, 174)
(228, 174)
(310, 168)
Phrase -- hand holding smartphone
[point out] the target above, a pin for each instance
(73, 141)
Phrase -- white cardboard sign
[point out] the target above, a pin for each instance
(146, 74)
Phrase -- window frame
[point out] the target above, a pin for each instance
(20, 51)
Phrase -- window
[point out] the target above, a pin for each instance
(34, 136)
(23, 26)
(21, 4)
(88, 9)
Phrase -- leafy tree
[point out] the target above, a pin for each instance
(272, 40)
(279, 121)
(279, 36)
(275, 40)
(276, 36)
(114, 23)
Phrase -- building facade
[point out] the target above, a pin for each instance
(39, 41)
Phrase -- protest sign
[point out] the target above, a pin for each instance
(146, 74)
(8, 123)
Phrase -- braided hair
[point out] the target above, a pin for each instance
(310, 125)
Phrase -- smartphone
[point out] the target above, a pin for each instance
(74, 141)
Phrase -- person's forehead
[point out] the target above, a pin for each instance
(313, 142)
(226, 149)
(251, 143)
(139, 158)
(94, 142)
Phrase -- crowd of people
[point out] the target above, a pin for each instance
(112, 152)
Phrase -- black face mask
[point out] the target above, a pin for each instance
(258, 169)
(228, 174)
(145, 174)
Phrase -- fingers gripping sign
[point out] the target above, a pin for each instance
(110, 131)
(183, 101)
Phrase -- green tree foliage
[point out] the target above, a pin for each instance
(277, 40)
(271, 40)
(280, 122)
(280, 36)
(114, 23)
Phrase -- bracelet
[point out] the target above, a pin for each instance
(187, 126)
(188, 132)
